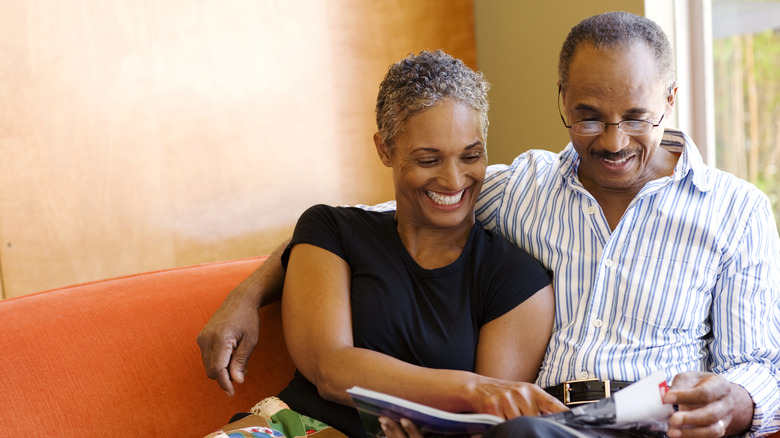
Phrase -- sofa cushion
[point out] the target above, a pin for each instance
(119, 356)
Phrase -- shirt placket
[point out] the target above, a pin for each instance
(593, 317)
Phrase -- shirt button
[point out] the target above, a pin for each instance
(583, 374)
(608, 262)
(591, 209)
(598, 323)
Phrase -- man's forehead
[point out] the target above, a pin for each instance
(619, 55)
(614, 72)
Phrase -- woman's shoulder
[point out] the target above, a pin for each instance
(344, 215)
(502, 253)
(505, 274)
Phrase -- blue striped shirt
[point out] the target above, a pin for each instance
(688, 280)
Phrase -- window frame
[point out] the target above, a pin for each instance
(688, 24)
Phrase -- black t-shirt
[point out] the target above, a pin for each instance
(426, 317)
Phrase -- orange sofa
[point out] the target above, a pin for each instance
(119, 358)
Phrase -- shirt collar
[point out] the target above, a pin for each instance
(673, 140)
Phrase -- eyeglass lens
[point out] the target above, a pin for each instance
(594, 127)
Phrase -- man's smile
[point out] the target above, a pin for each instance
(613, 160)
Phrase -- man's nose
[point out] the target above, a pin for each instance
(613, 139)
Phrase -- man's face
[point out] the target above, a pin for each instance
(613, 85)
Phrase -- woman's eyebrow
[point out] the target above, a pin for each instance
(473, 145)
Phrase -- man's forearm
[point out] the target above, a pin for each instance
(265, 285)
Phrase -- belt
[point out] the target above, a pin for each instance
(575, 392)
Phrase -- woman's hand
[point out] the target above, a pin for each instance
(497, 397)
(511, 399)
(393, 429)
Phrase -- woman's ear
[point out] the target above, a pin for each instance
(382, 150)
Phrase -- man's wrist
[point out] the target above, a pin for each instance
(742, 415)
(759, 386)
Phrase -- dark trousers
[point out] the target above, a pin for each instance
(536, 427)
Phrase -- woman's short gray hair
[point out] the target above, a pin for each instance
(419, 82)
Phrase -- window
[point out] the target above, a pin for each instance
(746, 82)
(728, 68)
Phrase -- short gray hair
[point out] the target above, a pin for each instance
(419, 82)
(616, 29)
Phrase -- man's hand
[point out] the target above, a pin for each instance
(709, 406)
(230, 336)
(227, 341)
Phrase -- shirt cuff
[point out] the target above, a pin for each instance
(762, 386)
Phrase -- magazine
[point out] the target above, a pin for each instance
(371, 405)
(637, 406)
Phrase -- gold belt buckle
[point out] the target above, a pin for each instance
(567, 391)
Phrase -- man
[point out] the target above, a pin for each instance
(658, 262)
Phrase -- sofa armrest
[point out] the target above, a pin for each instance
(118, 356)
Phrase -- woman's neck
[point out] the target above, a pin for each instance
(433, 248)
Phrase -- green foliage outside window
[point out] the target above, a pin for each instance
(747, 109)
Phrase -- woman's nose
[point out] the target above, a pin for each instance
(452, 176)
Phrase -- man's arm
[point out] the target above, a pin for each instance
(743, 395)
(230, 336)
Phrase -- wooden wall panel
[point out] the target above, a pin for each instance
(137, 135)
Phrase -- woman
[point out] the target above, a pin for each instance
(421, 303)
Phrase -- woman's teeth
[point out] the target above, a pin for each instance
(443, 199)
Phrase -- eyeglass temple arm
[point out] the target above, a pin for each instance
(560, 113)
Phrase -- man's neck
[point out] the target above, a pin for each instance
(615, 202)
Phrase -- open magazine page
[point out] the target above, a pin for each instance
(431, 421)
(639, 405)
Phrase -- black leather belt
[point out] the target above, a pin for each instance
(575, 392)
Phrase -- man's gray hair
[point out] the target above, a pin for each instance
(419, 82)
(616, 29)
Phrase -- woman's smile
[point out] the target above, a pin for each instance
(444, 199)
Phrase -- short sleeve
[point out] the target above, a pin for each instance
(321, 226)
(510, 276)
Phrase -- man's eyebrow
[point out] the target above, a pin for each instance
(631, 112)
(586, 107)
(638, 111)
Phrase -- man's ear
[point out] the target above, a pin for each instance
(672, 97)
(382, 150)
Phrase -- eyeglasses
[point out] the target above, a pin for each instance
(596, 127)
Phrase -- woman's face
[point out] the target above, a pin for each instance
(439, 164)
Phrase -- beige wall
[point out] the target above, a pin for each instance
(144, 135)
(517, 49)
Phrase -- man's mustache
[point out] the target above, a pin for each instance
(612, 156)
